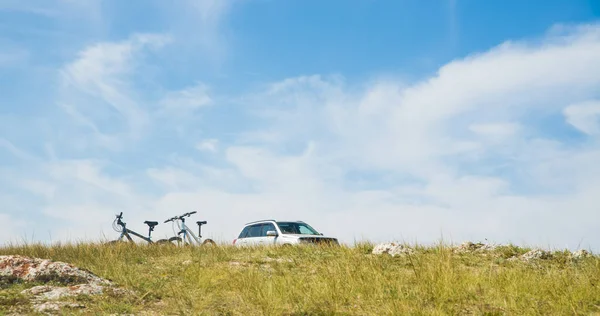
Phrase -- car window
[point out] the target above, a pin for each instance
(296, 228)
(267, 227)
(288, 228)
(255, 230)
(304, 230)
(244, 232)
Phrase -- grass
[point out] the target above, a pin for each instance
(225, 280)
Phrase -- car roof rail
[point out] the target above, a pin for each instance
(264, 220)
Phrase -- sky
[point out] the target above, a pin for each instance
(371, 120)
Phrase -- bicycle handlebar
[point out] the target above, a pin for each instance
(180, 216)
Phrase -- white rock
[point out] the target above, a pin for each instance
(581, 254)
(54, 306)
(392, 249)
(47, 306)
(536, 254)
(57, 292)
(468, 246)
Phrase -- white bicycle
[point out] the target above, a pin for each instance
(188, 238)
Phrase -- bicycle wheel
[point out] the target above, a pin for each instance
(209, 242)
(164, 242)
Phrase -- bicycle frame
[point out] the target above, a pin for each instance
(188, 238)
(187, 232)
(126, 233)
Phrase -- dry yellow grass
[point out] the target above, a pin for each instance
(225, 280)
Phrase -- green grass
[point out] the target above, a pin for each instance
(225, 280)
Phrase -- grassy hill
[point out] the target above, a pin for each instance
(225, 280)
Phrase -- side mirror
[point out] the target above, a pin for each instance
(321, 234)
(271, 233)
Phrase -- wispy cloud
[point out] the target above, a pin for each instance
(186, 100)
(584, 116)
(43, 8)
(495, 130)
(199, 26)
(210, 145)
(97, 91)
(88, 11)
(14, 150)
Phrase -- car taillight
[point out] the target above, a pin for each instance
(234, 241)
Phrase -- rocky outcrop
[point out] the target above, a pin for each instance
(536, 254)
(580, 254)
(45, 270)
(479, 247)
(71, 280)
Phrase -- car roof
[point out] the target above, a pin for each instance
(270, 220)
(261, 221)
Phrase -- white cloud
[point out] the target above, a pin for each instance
(496, 132)
(495, 129)
(43, 8)
(8, 232)
(14, 150)
(174, 178)
(199, 26)
(187, 100)
(210, 145)
(584, 116)
(89, 12)
(210, 12)
(37, 187)
(96, 91)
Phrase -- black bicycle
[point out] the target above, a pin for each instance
(189, 238)
(120, 226)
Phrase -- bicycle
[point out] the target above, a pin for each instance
(126, 232)
(188, 235)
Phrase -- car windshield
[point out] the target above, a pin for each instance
(296, 228)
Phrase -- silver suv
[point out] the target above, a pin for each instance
(272, 232)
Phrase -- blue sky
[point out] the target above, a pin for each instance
(379, 120)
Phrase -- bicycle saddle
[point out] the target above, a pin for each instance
(201, 223)
(151, 224)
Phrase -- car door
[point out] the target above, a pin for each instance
(241, 239)
(254, 235)
(264, 239)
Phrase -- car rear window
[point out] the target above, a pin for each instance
(255, 230)
(244, 232)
